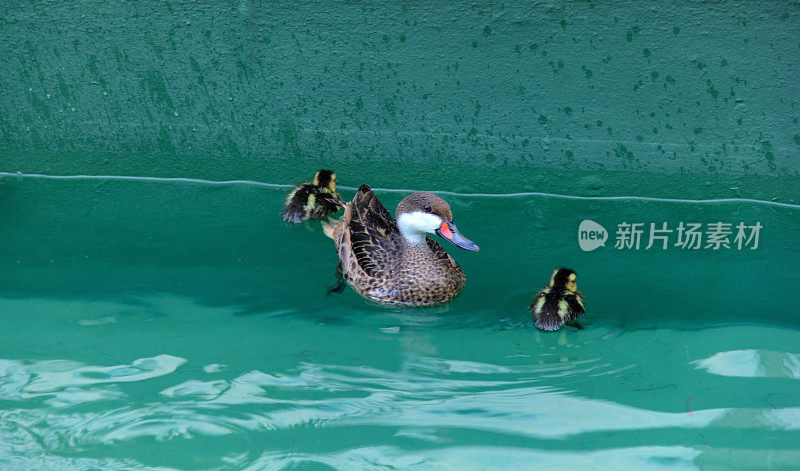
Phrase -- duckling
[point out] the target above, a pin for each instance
(313, 200)
(558, 304)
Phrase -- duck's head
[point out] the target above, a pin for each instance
(325, 178)
(564, 278)
(423, 213)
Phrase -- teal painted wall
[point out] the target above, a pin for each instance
(659, 98)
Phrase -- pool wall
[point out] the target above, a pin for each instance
(655, 98)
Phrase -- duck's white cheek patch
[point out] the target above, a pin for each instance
(415, 225)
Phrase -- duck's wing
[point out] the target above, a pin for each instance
(373, 233)
(576, 305)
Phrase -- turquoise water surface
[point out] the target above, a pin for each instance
(168, 325)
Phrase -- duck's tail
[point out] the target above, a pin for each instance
(548, 321)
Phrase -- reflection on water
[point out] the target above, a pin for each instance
(489, 458)
(753, 364)
(428, 412)
(55, 376)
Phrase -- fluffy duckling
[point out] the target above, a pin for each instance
(313, 200)
(558, 304)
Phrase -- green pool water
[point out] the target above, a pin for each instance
(182, 325)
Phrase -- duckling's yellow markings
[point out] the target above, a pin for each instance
(572, 277)
(312, 201)
(580, 301)
(563, 309)
(539, 304)
(571, 286)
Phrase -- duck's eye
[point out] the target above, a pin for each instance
(427, 208)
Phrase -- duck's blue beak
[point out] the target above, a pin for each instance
(448, 231)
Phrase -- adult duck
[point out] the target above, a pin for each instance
(393, 261)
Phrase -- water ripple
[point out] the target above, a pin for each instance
(752, 364)
(487, 458)
(67, 383)
(424, 402)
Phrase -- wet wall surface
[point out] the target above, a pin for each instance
(695, 99)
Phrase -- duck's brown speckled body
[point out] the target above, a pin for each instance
(396, 263)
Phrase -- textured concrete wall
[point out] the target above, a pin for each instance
(652, 97)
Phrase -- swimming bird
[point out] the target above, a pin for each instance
(393, 261)
(313, 200)
(559, 303)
